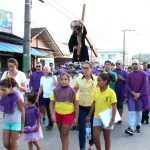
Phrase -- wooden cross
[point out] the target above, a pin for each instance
(87, 37)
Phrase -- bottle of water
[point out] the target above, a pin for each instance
(88, 130)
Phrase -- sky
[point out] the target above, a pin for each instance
(104, 20)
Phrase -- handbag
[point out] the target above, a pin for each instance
(29, 129)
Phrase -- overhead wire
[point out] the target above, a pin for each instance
(60, 11)
(94, 32)
(67, 10)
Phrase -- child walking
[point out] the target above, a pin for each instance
(104, 98)
(64, 108)
(32, 130)
(12, 106)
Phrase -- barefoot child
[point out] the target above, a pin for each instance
(32, 130)
(104, 98)
(64, 108)
(12, 106)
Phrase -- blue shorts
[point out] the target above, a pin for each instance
(12, 126)
(98, 122)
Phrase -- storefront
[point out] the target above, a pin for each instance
(12, 46)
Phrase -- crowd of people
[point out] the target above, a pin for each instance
(71, 96)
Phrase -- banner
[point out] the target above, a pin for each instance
(5, 21)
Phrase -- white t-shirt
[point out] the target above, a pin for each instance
(73, 81)
(48, 85)
(28, 85)
(20, 79)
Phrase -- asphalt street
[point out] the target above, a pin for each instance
(120, 141)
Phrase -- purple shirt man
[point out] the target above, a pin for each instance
(137, 97)
(136, 90)
(35, 78)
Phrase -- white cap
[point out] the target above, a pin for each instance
(135, 61)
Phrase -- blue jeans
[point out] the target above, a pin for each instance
(134, 118)
(83, 112)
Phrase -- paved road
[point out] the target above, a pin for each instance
(120, 141)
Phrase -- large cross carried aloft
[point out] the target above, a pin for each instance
(77, 44)
(87, 37)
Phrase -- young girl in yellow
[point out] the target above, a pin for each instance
(64, 108)
(104, 98)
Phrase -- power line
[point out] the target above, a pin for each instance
(67, 10)
(41, 1)
(61, 12)
(96, 33)
(90, 29)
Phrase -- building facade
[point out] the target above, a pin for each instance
(113, 56)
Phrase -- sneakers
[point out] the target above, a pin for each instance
(129, 131)
(138, 129)
(49, 127)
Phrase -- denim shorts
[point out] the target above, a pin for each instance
(98, 122)
(12, 126)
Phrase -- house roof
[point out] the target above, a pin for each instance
(14, 48)
(47, 39)
(11, 38)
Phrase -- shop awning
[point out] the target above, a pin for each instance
(13, 48)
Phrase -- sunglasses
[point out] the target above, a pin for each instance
(86, 68)
(117, 63)
(38, 66)
(134, 64)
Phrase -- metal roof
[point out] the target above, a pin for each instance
(13, 48)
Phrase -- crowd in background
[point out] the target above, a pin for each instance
(65, 96)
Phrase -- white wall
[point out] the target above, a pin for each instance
(112, 56)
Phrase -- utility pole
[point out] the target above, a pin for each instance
(27, 37)
(124, 44)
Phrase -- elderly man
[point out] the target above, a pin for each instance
(47, 84)
(137, 95)
(120, 86)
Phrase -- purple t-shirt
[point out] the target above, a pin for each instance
(8, 102)
(35, 80)
(8, 105)
(31, 116)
